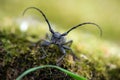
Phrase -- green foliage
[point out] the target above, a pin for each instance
(75, 76)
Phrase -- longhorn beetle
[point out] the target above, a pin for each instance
(58, 38)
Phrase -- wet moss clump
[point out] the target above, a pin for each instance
(18, 53)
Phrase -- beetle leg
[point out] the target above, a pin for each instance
(68, 48)
(42, 45)
(45, 55)
(64, 53)
(45, 43)
(68, 43)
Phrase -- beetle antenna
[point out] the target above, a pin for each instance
(50, 29)
(64, 34)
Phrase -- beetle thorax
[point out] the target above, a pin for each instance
(57, 38)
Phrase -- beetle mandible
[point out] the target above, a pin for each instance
(59, 38)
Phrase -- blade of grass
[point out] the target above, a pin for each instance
(75, 76)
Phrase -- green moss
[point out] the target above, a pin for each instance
(19, 51)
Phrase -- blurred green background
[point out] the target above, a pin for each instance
(67, 13)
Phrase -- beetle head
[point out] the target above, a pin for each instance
(57, 38)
